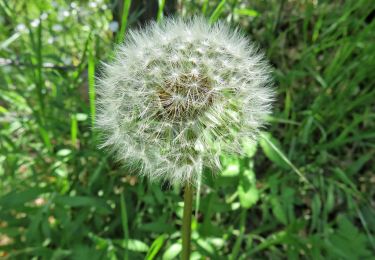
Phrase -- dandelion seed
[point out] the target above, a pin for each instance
(179, 94)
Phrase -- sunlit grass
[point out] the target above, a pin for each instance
(60, 197)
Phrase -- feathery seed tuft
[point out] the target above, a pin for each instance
(179, 94)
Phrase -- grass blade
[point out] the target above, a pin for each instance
(155, 247)
(283, 157)
(91, 79)
(74, 130)
(204, 7)
(237, 244)
(124, 222)
(160, 15)
(124, 21)
(217, 12)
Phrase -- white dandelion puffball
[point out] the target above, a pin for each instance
(180, 93)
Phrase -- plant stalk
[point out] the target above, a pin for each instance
(186, 222)
(237, 244)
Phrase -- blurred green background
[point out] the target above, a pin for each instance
(305, 192)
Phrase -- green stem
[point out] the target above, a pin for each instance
(237, 244)
(124, 222)
(186, 222)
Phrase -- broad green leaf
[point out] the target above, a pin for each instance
(278, 211)
(205, 246)
(64, 152)
(3, 110)
(249, 146)
(172, 252)
(232, 166)
(247, 191)
(135, 245)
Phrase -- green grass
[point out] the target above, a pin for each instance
(305, 192)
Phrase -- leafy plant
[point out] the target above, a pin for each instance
(306, 191)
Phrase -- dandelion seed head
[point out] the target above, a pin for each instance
(179, 94)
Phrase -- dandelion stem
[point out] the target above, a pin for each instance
(186, 222)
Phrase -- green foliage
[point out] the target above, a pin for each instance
(305, 192)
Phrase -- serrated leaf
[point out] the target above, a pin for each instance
(347, 241)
